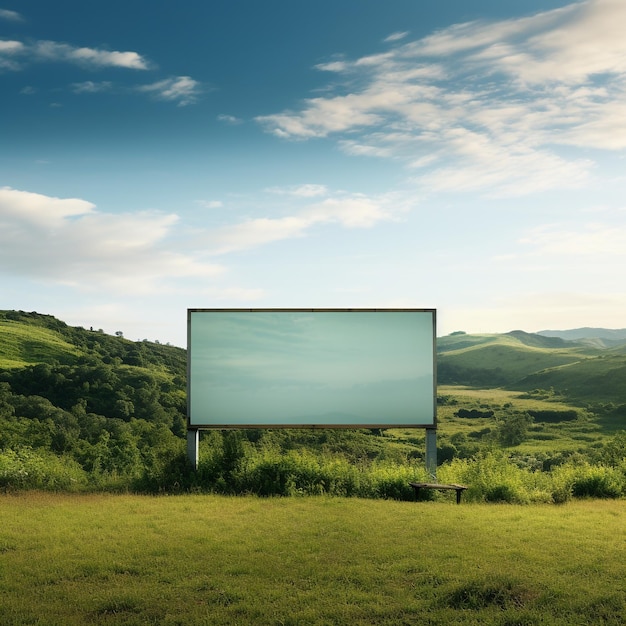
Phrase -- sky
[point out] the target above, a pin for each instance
(464, 156)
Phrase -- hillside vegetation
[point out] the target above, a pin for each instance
(80, 409)
(104, 405)
(581, 370)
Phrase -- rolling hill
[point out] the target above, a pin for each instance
(116, 409)
(584, 369)
(587, 365)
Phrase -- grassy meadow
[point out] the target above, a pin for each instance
(128, 559)
(22, 344)
(522, 420)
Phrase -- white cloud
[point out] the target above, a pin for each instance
(360, 149)
(90, 86)
(8, 51)
(355, 211)
(54, 51)
(349, 211)
(10, 16)
(39, 210)
(11, 47)
(589, 42)
(181, 89)
(257, 232)
(302, 191)
(67, 241)
(332, 66)
(323, 116)
(593, 240)
(396, 36)
(211, 204)
(229, 119)
(483, 106)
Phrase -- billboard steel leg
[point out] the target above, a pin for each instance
(193, 439)
(431, 452)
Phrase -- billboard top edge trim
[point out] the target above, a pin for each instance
(190, 426)
(311, 310)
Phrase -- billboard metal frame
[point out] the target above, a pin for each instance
(193, 429)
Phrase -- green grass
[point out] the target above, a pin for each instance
(602, 377)
(216, 560)
(543, 437)
(25, 345)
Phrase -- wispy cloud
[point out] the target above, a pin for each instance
(53, 51)
(10, 47)
(10, 16)
(346, 210)
(20, 54)
(595, 239)
(210, 204)
(9, 54)
(308, 190)
(67, 241)
(183, 90)
(396, 36)
(483, 106)
(229, 119)
(90, 86)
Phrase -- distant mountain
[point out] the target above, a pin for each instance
(600, 337)
(536, 340)
(586, 333)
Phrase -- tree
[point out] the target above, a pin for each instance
(514, 429)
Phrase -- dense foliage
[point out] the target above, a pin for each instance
(113, 408)
(80, 409)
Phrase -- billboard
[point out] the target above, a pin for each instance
(311, 368)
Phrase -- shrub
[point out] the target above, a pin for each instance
(391, 481)
(598, 482)
(491, 477)
(25, 469)
(586, 481)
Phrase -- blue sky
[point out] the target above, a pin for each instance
(464, 156)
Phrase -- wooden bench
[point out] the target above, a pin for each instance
(458, 488)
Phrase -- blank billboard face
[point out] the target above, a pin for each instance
(311, 368)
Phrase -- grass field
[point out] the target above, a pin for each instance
(24, 344)
(104, 559)
(573, 435)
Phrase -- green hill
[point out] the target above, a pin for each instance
(114, 410)
(24, 344)
(112, 405)
(583, 370)
(500, 360)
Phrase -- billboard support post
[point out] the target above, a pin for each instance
(431, 452)
(193, 439)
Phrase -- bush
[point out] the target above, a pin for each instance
(586, 481)
(273, 472)
(25, 469)
(598, 482)
(492, 477)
